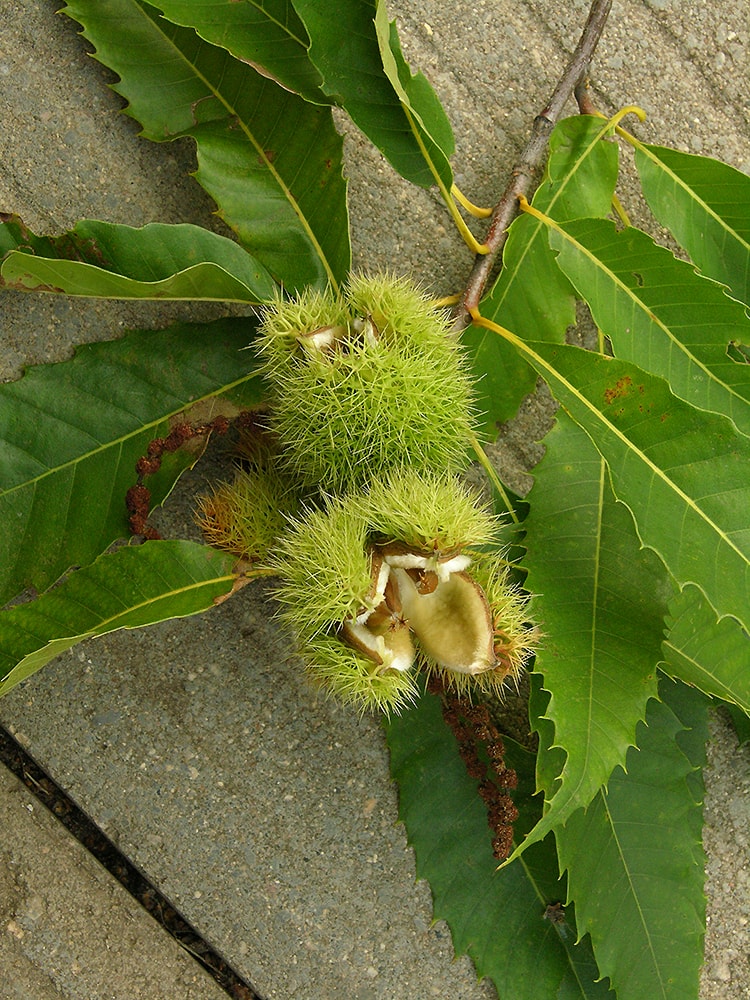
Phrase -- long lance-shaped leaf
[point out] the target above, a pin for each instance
(659, 313)
(268, 35)
(71, 433)
(710, 655)
(271, 160)
(600, 601)
(682, 472)
(429, 123)
(109, 261)
(706, 204)
(495, 916)
(635, 862)
(531, 296)
(129, 588)
(273, 38)
(363, 70)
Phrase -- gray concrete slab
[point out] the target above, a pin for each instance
(67, 929)
(267, 816)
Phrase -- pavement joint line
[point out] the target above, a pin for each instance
(54, 798)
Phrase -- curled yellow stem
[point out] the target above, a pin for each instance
(613, 124)
(614, 121)
(447, 300)
(488, 324)
(630, 109)
(530, 210)
(466, 234)
(476, 210)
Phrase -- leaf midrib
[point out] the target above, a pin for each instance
(566, 794)
(513, 271)
(633, 893)
(642, 307)
(90, 268)
(691, 192)
(629, 445)
(109, 624)
(274, 20)
(163, 595)
(119, 441)
(230, 109)
(711, 678)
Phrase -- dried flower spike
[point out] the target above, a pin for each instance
(247, 515)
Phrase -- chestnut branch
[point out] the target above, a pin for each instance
(527, 167)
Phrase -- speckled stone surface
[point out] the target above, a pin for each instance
(67, 929)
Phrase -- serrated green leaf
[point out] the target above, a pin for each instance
(110, 261)
(713, 656)
(658, 313)
(71, 433)
(268, 35)
(129, 588)
(635, 862)
(706, 205)
(429, 123)
(741, 724)
(271, 160)
(600, 602)
(497, 917)
(398, 113)
(550, 758)
(531, 295)
(682, 472)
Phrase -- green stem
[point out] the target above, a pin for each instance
(620, 211)
(493, 477)
(466, 234)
